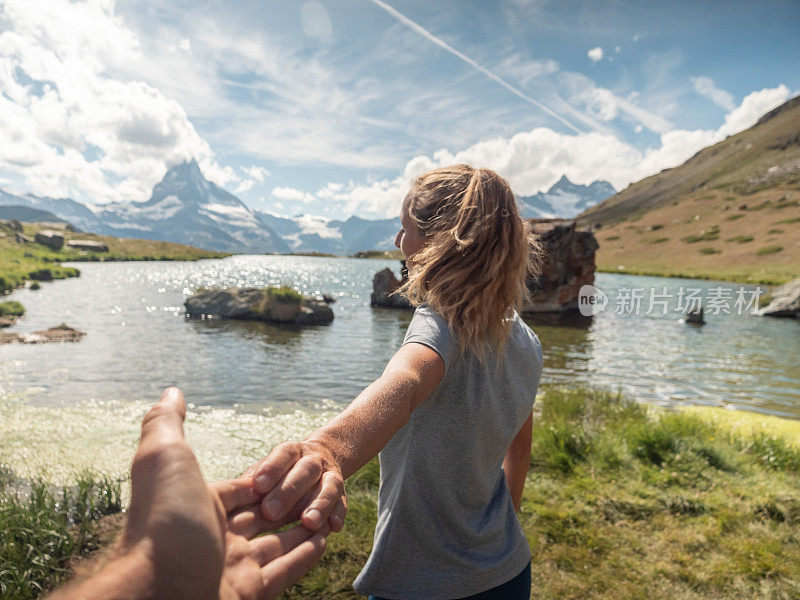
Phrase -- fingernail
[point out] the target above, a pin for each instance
(273, 509)
(314, 516)
(262, 483)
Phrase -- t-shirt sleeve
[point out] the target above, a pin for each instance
(428, 328)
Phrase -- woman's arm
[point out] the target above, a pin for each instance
(518, 461)
(319, 465)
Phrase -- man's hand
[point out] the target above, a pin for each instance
(184, 539)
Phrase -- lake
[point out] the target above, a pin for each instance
(251, 384)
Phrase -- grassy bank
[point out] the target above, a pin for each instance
(22, 262)
(45, 530)
(626, 501)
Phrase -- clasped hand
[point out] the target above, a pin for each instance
(186, 539)
(300, 481)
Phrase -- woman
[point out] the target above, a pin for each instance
(451, 414)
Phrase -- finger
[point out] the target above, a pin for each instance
(303, 476)
(235, 493)
(282, 572)
(269, 547)
(336, 520)
(251, 522)
(321, 507)
(271, 469)
(164, 421)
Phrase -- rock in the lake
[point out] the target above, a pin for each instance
(87, 245)
(258, 304)
(567, 264)
(59, 333)
(785, 301)
(383, 285)
(695, 316)
(7, 321)
(51, 239)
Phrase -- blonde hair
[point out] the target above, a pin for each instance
(477, 253)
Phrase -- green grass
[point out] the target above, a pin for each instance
(734, 217)
(20, 263)
(710, 251)
(11, 308)
(625, 501)
(284, 295)
(43, 528)
(612, 238)
(788, 221)
(622, 500)
(740, 239)
(380, 254)
(707, 235)
(769, 250)
(660, 240)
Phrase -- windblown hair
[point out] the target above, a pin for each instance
(476, 256)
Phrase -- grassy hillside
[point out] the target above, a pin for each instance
(732, 211)
(24, 262)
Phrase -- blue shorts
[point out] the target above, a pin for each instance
(518, 588)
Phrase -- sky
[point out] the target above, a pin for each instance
(332, 107)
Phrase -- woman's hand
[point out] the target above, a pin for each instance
(301, 480)
(305, 480)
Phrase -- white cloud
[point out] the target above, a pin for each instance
(534, 160)
(292, 194)
(595, 54)
(706, 87)
(256, 173)
(66, 125)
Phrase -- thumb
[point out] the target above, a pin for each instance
(164, 421)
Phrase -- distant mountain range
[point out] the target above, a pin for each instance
(186, 208)
(564, 199)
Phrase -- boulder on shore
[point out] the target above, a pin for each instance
(51, 239)
(383, 286)
(87, 245)
(258, 304)
(785, 301)
(59, 333)
(566, 265)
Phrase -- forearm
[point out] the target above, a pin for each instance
(126, 577)
(517, 461)
(357, 434)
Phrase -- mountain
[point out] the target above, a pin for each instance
(65, 208)
(28, 214)
(307, 233)
(564, 199)
(188, 209)
(731, 211)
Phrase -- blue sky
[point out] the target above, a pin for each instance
(331, 107)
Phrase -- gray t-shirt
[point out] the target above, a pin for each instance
(446, 522)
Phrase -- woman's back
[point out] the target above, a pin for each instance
(446, 523)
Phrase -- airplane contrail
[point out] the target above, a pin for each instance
(455, 52)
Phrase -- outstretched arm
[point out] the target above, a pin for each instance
(518, 461)
(181, 539)
(338, 449)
